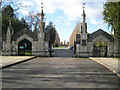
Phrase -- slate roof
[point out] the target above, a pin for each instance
(98, 33)
(27, 32)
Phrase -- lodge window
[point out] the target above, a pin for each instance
(77, 38)
(83, 42)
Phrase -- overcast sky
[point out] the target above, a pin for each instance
(66, 13)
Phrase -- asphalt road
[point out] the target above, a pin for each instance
(58, 72)
(63, 53)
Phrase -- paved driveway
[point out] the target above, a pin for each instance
(59, 72)
(63, 52)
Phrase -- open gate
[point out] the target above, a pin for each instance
(100, 49)
(25, 48)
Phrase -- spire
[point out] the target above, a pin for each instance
(42, 13)
(9, 32)
(42, 23)
(10, 27)
(9, 22)
(83, 15)
(83, 24)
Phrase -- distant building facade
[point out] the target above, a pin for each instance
(25, 42)
(73, 35)
(99, 43)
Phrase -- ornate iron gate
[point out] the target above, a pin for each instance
(100, 51)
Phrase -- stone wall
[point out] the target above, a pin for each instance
(12, 48)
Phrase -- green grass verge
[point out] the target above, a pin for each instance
(59, 47)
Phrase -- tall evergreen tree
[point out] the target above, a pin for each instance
(8, 14)
(8, 11)
(50, 33)
(111, 16)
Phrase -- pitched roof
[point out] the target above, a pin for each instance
(27, 32)
(98, 33)
(76, 30)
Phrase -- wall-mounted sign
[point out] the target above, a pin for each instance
(21, 47)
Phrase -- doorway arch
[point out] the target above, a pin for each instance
(100, 48)
(24, 48)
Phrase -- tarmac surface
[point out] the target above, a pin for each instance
(63, 52)
(60, 71)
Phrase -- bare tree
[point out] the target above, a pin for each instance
(33, 19)
(14, 3)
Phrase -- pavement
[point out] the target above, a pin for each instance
(10, 60)
(111, 63)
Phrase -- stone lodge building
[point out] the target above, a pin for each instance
(25, 42)
(99, 43)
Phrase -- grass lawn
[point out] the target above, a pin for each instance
(117, 58)
(59, 47)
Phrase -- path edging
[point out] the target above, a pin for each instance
(18, 62)
(105, 66)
